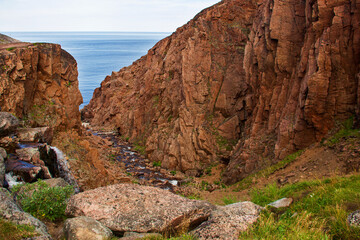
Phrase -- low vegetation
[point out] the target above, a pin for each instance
(182, 237)
(11, 231)
(319, 210)
(42, 201)
(346, 130)
(246, 182)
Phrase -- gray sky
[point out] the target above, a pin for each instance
(98, 15)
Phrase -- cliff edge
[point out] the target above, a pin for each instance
(39, 84)
(245, 82)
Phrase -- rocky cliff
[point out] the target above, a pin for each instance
(39, 84)
(246, 82)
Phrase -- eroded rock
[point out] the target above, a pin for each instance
(8, 123)
(135, 208)
(227, 222)
(84, 228)
(39, 83)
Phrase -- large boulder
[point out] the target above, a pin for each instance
(84, 228)
(135, 208)
(8, 123)
(227, 222)
(10, 211)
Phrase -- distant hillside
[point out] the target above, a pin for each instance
(6, 39)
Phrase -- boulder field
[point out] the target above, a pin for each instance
(246, 82)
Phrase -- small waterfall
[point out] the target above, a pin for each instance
(12, 180)
(64, 171)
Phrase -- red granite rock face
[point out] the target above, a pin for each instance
(245, 81)
(302, 63)
(39, 83)
(181, 99)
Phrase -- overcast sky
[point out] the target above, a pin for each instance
(98, 15)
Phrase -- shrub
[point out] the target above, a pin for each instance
(42, 201)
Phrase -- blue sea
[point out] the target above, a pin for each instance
(97, 53)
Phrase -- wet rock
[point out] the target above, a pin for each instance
(8, 123)
(136, 236)
(84, 228)
(284, 202)
(227, 222)
(2, 171)
(135, 208)
(10, 211)
(354, 219)
(43, 135)
(30, 155)
(27, 171)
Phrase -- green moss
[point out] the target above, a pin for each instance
(157, 164)
(11, 231)
(156, 100)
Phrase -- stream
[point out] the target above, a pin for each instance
(30, 161)
(137, 165)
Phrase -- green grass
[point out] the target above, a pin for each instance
(42, 201)
(10, 49)
(230, 199)
(11, 231)
(270, 227)
(246, 182)
(346, 130)
(157, 164)
(324, 204)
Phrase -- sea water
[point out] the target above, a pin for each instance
(97, 53)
